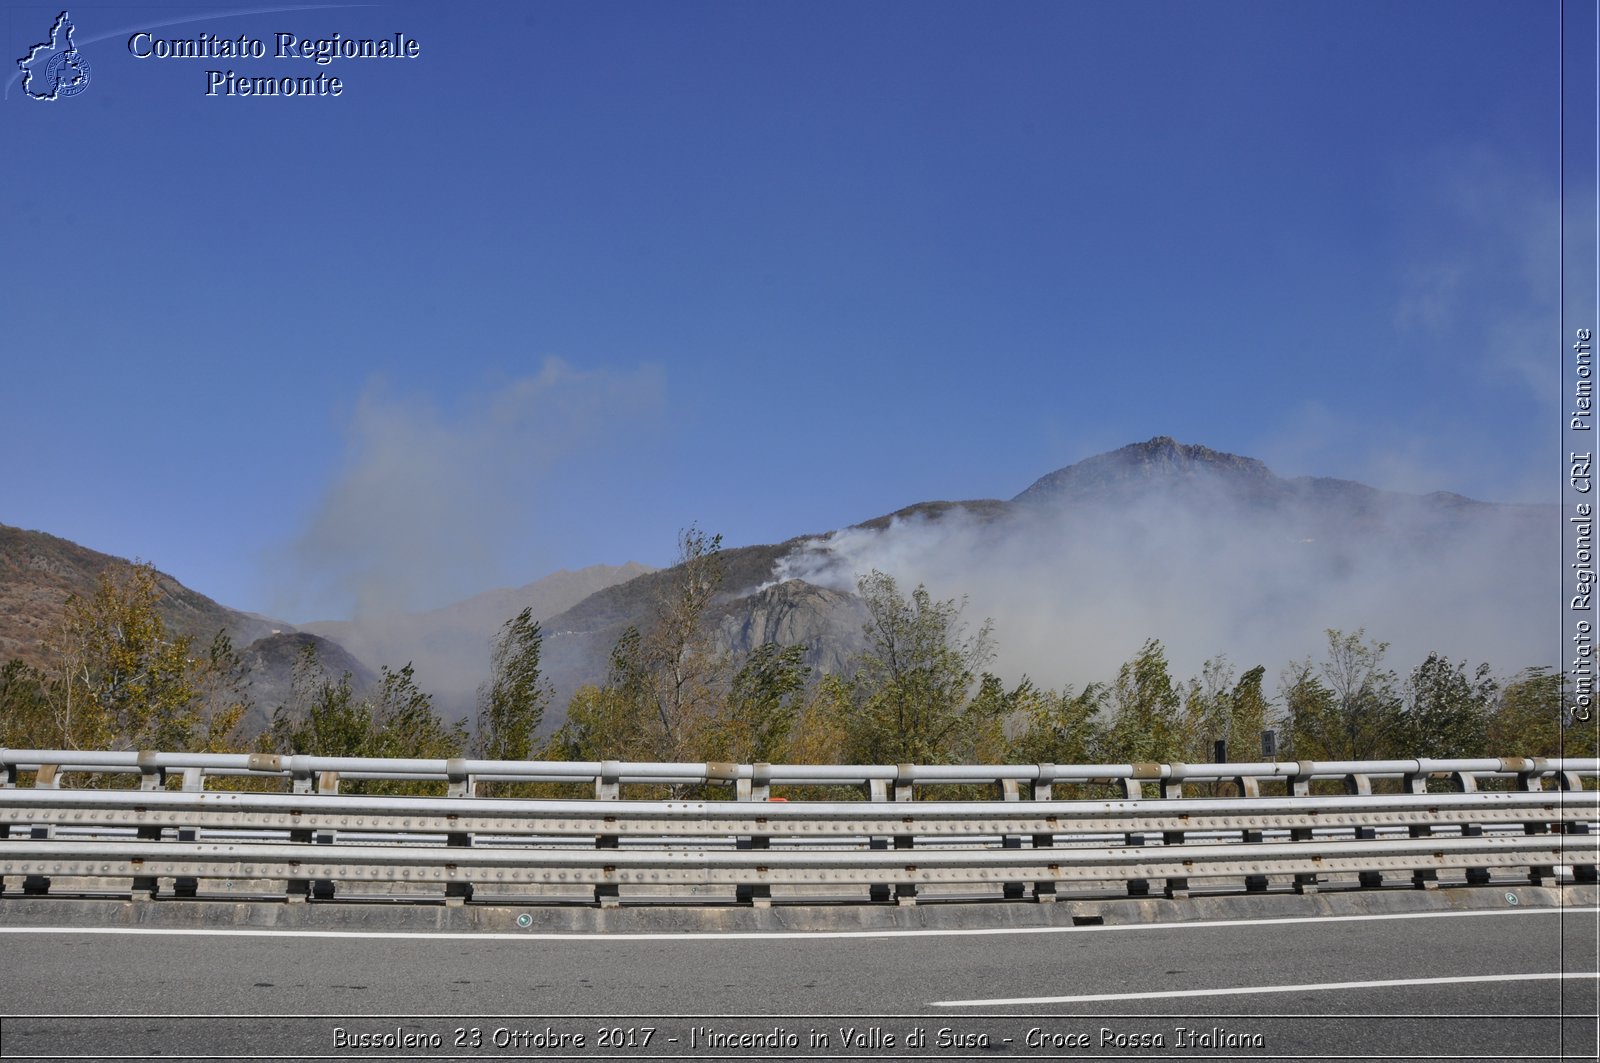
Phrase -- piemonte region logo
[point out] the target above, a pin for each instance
(56, 64)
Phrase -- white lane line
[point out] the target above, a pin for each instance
(1099, 998)
(605, 936)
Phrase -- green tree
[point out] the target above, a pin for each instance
(821, 734)
(913, 683)
(323, 717)
(611, 721)
(1207, 716)
(1580, 726)
(1447, 711)
(404, 723)
(26, 721)
(1311, 720)
(763, 704)
(1527, 720)
(997, 716)
(511, 704)
(1063, 727)
(1252, 714)
(1218, 708)
(1536, 715)
(600, 725)
(1365, 700)
(1146, 720)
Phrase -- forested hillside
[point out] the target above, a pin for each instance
(119, 676)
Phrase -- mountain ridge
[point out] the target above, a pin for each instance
(1179, 510)
(39, 571)
(1155, 486)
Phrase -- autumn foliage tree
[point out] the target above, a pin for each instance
(667, 687)
(122, 680)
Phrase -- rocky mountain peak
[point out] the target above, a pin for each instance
(1159, 460)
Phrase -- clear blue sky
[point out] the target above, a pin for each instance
(583, 273)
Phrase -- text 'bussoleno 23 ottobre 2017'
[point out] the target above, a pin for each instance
(285, 47)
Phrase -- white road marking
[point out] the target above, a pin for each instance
(1171, 994)
(602, 936)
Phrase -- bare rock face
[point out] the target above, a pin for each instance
(827, 623)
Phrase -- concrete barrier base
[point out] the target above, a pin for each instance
(505, 916)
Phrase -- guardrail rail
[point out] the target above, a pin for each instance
(1531, 819)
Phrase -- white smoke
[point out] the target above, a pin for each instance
(431, 503)
(1074, 593)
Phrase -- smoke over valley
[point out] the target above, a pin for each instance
(1211, 553)
(1214, 554)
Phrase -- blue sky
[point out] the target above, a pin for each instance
(583, 273)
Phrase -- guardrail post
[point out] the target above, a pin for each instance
(187, 885)
(905, 893)
(461, 784)
(1422, 878)
(1300, 786)
(1044, 890)
(1250, 786)
(1133, 790)
(1361, 785)
(1467, 783)
(877, 790)
(146, 887)
(8, 781)
(327, 782)
(1172, 790)
(1528, 781)
(608, 787)
(1571, 782)
(758, 787)
(48, 777)
(1009, 791)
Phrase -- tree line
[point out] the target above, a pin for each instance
(921, 692)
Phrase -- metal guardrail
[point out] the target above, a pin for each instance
(312, 837)
(309, 771)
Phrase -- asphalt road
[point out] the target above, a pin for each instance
(1514, 984)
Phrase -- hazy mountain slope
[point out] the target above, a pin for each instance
(1211, 552)
(269, 664)
(450, 646)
